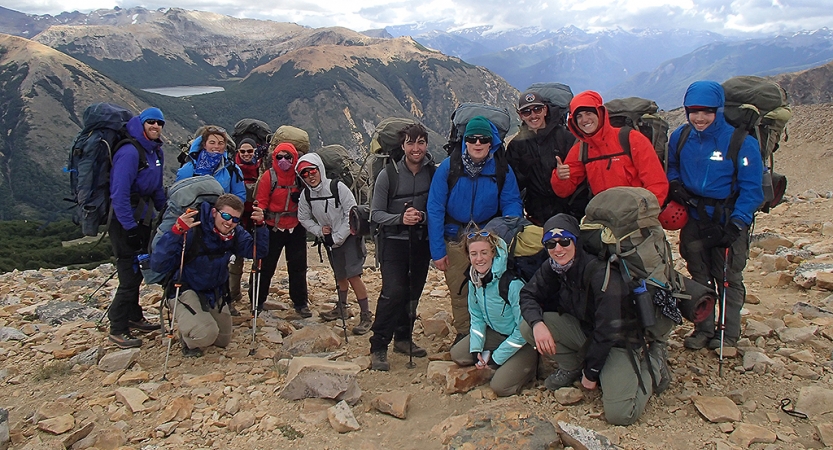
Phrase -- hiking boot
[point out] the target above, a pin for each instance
(335, 313)
(365, 322)
(379, 361)
(143, 325)
(696, 341)
(232, 310)
(190, 352)
(562, 378)
(304, 312)
(125, 340)
(403, 347)
(714, 343)
(658, 352)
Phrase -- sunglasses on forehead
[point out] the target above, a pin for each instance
(563, 242)
(526, 112)
(218, 130)
(482, 139)
(474, 234)
(227, 216)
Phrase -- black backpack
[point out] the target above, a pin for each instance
(459, 119)
(90, 161)
(557, 96)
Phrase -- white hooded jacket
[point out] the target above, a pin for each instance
(321, 210)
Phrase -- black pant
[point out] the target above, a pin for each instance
(295, 243)
(125, 306)
(399, 291)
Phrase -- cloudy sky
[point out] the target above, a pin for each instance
(722, 16)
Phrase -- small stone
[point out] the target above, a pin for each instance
(166, 429)
(75, 436)
(717, 409)
(805, 356)
(11, 334)
(753, 358)
(824, 280)
(825, 431)
(232, 406)
(132, 398)
(726, 427)
(88, 357)
(241, 421)
(436, 327)
(455, 378)
(568, 396)
(119, 360)
(747, 434)
(738, 396)
(52, 409)
(362, 361)
(796, 335)
(777, 279)
(755, 329)
(134, 377)
(213, 377)
(582, 438)
(752, 299)
(342, 419)
(264, 353)
(393, 403)
(317, 338)
(179, 409)
(728, 352)
(806, 373)
(769, 242)
(57, 425)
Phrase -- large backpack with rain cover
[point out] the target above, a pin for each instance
(557, 96)
(90, 161)
(525, 251)
(459, 119)
(634, 113)
(182, 195)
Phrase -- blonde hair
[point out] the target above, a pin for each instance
(477, 235)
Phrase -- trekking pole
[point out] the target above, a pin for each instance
(341, 312)
(411, 307)
(723, 311)
(90, 297)
(178, 286)
(256, 290)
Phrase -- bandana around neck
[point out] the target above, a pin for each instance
(472, 167)
(224, 237)
(207, 162)
(558, 268)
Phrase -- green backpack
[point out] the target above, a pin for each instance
(640, 114)
(342, 167)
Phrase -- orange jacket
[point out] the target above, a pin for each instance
(642, 169)
(280, 209)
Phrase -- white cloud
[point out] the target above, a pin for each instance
(722, 16)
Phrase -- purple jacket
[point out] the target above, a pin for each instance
(126, 180)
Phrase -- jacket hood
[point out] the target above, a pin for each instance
(316, 161)
(501, 258)
(136, 129)
(709, 94)
(285, 147)
(197, 147)
(587, 99)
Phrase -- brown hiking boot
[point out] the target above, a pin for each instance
(335, 313)
(125, 340)
(415, 350)
(365, 322)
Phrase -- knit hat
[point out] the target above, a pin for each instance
(478, 126)
(585, 109)
(150, 114)
(249, 141)
(530, 98)
(561, 226)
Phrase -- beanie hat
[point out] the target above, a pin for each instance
(585, 109)
(150, 114)
(478, 125)
(249, 141)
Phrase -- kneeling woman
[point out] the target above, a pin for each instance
(495, 337)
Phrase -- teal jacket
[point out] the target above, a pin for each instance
(488, 309)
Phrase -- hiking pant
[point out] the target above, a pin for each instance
(404, 267)
(705, 264)
(125, 306)
(295, 243)
(235, 275)
(199, 328)
(515, 372)
(458, 287)
(623, 396)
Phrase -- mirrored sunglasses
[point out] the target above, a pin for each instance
(526, 112)
(307, 172)
(474, 234)
(563, 242)
(227, 216)
(482, 139)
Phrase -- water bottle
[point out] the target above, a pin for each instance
(644, 305)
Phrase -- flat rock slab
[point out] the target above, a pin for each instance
(57, 425)
(312, 382)
(825, 431)
(796, 335)
(717, 409)
(119, 360)
(809, 311)
(342, 419)
(814, 401)
(393, 403)
(806, 273)
(133, 377)
(241, 421)
(746, 434)
(315, 338)
(56, 313)
(501, 425)
(133, 398)
(89, 357)
(755, 329)
(11, 334)
(212, 377)
(78, 434)
(457, 379)
(325, 365)
(751, 358)
(178, 409)
(581, 438)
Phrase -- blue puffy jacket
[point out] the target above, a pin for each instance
(207, 270)
(227, 173)
(126, 179)
(487, 309)
(472, 199)
(703, 166)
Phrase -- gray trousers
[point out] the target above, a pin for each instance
(515, 372)
(201, 328)
(623, 399)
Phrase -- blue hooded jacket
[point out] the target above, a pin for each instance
(126, 179)
(208, 270)
(471, 199)
(232, 184)
(704, 167)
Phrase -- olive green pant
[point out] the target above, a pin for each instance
(455, 279)
(199, 328)
(622, 397)
(515, 372)
(235, 275)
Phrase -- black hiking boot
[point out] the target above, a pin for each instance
(143, 325)
(714, 343)
(190, 352)
(415, 350)
(696, 340)
(658, 352)
(125, 340)
(562, 378)
(304, 312)
(379, 360)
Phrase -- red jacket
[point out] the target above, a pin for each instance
(642, 169)
(281, 211)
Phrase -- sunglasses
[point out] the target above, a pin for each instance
(227, 216)
(474, 234)
(308, 172)
(247, 151)
(283, 156)
(526, 112)
(563, 242)
(215, 130)
(161, 123)
(482, 139)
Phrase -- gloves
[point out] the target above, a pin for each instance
(328, 240)
(134, 239)
(678, 193)
(295, 197)
(732, 232)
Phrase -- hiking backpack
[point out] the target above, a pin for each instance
(634, 113)
(557, 96)
(256, 130)
(342, 167)
(525, 252)
(182, 195)
(286, 133)
(90, 161)
(454, 147)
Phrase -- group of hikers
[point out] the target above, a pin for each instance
(575, 310)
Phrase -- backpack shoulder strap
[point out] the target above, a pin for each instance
(273, 178)
(582, 154)
(334, 191)
(503, 285)
(501, 168)
(683, 138)
(625, 140)
(393, 180)
(143, 158)
(455, 167)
